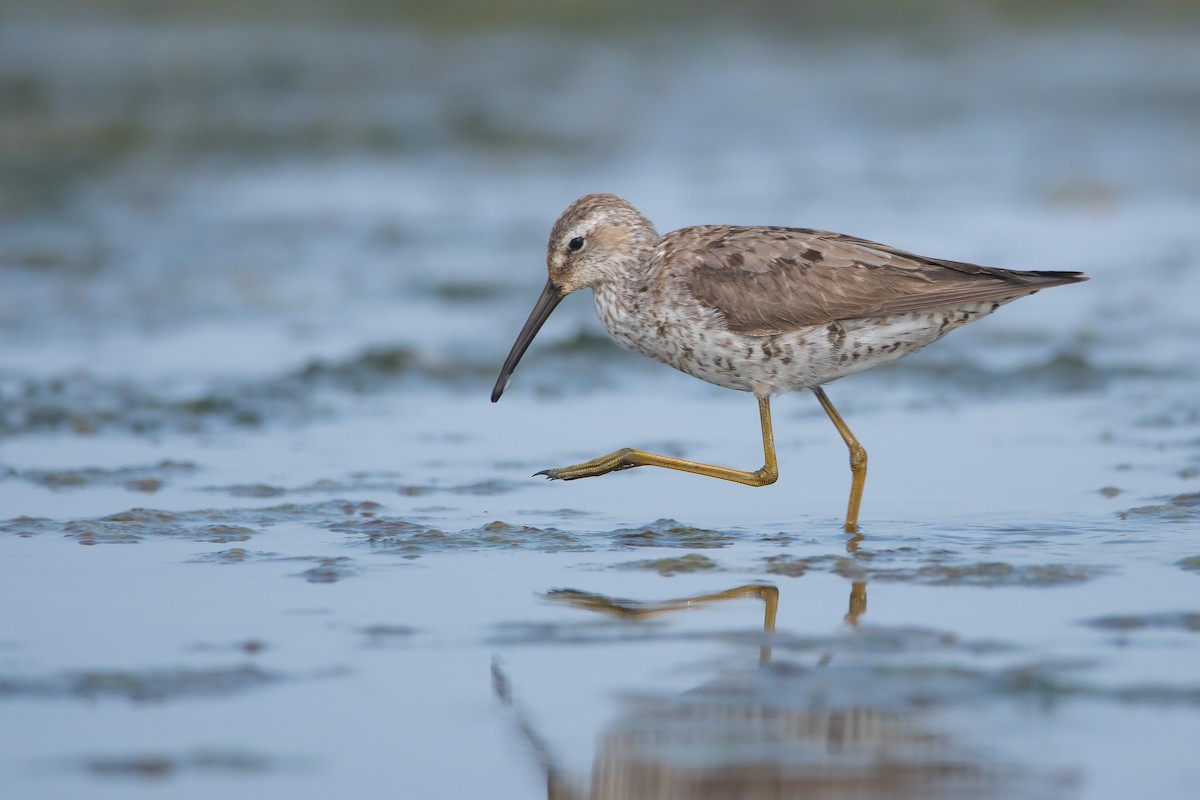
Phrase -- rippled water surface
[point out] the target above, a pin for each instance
(261, 531)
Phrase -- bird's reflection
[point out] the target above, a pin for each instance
(771, 730)
(636, 610)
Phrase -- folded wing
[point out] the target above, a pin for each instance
(773, 280)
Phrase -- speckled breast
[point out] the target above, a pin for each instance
(696, 341)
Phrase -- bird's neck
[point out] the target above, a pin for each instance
(623, 300)
(623, 295)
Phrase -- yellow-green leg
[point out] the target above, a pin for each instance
(858, 460)
(628, 457)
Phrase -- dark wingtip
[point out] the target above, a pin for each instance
(1062, 278)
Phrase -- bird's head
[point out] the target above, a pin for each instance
(599, 239)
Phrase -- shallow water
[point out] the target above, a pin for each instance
(256, 281)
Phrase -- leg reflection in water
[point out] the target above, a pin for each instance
(636, 610)
(835, 719)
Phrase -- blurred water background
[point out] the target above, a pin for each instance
(259, 267)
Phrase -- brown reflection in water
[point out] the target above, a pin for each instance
(638, 610)
(858, 590)
(858, 603)
(769, 733)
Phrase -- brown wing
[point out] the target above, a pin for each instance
(772, 280)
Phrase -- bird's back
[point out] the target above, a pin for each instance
(769, 280)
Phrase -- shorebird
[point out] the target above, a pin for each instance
(759, 309)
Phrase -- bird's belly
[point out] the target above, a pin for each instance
(785, 362)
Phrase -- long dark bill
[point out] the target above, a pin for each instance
(551, 297)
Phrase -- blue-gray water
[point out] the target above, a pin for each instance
(257, 276)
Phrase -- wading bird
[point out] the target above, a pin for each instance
(760, 309)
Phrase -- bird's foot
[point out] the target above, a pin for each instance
(621, 459)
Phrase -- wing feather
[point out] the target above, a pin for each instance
(772, 280)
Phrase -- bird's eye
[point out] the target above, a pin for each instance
(576, 244)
